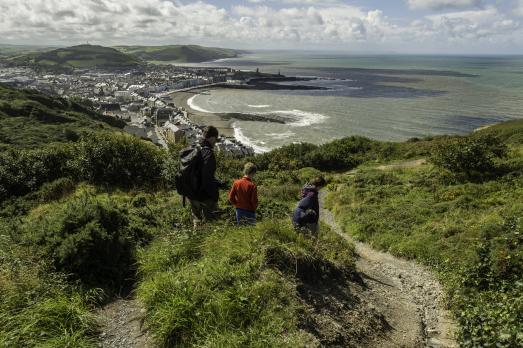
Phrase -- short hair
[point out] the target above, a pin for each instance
(318, 181)
(249, 168)
(210, 132)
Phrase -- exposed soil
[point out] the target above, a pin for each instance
(122, 325)
(405, 293)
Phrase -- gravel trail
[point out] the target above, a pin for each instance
(406, 293)
(122, 325)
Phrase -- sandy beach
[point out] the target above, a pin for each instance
(180, 99)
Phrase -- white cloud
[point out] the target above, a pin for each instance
(442, 4)
(329, 25)
(518, 10)
(473, 25)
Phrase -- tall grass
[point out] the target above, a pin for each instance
(226, 286)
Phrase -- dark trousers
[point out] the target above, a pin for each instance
(203, 211)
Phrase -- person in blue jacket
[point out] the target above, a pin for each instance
(307, 213)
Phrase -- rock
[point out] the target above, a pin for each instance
(434, 343)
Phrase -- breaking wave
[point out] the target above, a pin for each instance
(190, 103)
(238, 134)
(301, 118)
(258, 106)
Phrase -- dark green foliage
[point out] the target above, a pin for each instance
(342, 154)
(284, 158)
(472, 156)
(91, 239)
(104, 159)
(490, 299)
(81, 56)
(179, 53)
(37, 307)
(272, 210)
(56, 190)
(119, 160)
(23, 171)
(29, 119)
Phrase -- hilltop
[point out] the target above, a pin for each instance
(81, 56)
(179, 53)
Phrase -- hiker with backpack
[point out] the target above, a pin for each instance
(196, 178)
(306, 216)
(244, 196)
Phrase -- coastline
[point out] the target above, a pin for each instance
(180, 99)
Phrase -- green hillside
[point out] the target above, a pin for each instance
(29, 119)
(178, 53)
(81, 56)
(85, 221)
(17, 50)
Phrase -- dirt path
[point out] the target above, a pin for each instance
(121, 324)
(406, 293)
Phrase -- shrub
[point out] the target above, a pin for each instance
(23, 171)
(91, 239)
(120, 160)
(57, 189)
(37, 307)
(471, 156)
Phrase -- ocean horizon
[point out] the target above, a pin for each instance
(383, 97)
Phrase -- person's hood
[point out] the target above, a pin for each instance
(308, 191)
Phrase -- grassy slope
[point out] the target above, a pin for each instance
(81, 56)
(29, 119)
(17, 50)
(178, 53)
(469, 231)
(241, 285)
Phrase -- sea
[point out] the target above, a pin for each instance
(383, 97)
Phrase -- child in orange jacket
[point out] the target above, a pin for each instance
(244, 196)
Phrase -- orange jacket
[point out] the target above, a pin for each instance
(244, 194)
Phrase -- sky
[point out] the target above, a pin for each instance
(357, 26)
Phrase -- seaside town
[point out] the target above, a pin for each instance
(139, 96)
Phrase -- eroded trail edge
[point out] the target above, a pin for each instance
(407, 294)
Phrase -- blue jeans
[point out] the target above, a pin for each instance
(245, 217)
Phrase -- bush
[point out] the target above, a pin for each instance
(37, 307)
(119, 160)
(472, 156)
(23, 171)
(91, 239)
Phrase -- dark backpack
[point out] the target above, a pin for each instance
(188, 178)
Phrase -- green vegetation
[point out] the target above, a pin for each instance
(460, 216)
(81, 56)
(235, 286)
(30, 118)
(178, 53)
(17, 50)
(87, 213)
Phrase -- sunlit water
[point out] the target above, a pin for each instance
(381, 97)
